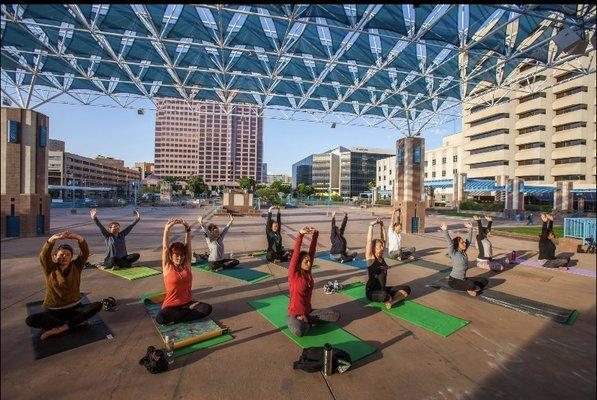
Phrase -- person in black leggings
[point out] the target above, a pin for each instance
(275, 249)
(376, 289)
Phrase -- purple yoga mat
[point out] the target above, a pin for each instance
(571, 270)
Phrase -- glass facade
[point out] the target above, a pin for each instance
(302, 172)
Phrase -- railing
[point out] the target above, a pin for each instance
(580, 228)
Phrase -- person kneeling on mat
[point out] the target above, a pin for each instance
(215, 243)
(485, 258)
(395, 249)
(62, 276)
(376, 289)
(457, 248)
(300, 285)
(275, 249)
(178, 305)
(338, 252)
(116, 254)
(547, 247)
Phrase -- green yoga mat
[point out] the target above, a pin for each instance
(274, 309)
(242, 274)
(185, 330)
(258, 253)
(133, 273)
(425, 317)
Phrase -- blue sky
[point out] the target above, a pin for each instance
(122, 133)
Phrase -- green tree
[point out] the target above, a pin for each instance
(371, 185)
(280, 186)
(336, 197)
(247, 183)
(196, 185)
(304, 190)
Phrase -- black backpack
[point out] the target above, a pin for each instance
(311, 360)
(155, 360)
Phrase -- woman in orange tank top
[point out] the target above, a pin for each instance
(179, 306)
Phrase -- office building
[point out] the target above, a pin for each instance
(264, 172)
(99, 172)
(343, 171)
(541, 131)
(208, 141)
(144, 168)
(278, 177)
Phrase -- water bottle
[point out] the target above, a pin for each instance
(231, 255)
(327, 359)
(513, 256)
(169, 350)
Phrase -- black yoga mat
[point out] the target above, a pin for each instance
(520, 304)
(71, 339)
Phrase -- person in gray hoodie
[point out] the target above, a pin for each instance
(116, 255)
(215, 242)
(457, 248)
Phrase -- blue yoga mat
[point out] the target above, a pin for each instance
(357, 263)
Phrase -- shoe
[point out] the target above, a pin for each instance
(327, 289)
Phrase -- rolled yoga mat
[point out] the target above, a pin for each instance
(133, 273)
(425, 317)
(520, 304)
(242, 274)
(187, 336)
(71, 339)
(357, 263)
(274, 309)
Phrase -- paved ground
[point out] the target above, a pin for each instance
(500, 354)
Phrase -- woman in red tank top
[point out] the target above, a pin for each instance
(179, 306)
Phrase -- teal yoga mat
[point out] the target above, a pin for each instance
(425, 317)
(133, 273)
(242, 274)
(357, 263)
(274, 309)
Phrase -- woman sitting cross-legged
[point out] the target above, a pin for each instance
(376, 289)
(178, 305)
(275, 249)
(215, 242)
(547, 247)
(457, 248)
(301, 316)
(62, 275)
(485, 258)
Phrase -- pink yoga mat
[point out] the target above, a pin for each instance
(571, 270)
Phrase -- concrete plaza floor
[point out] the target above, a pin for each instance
(500, 354)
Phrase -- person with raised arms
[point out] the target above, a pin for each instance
(215, 242)
(485, 258)
(62, 277)
(116, 255)
(301, 315)
(395, 249)
(338, 252)
(178, 305)
(275, 249)
(547, 246)
(376, 288)
(457, 248)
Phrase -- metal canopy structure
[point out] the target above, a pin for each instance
(397, 66)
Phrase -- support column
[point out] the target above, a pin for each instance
(455, 192)
(517, 195)
(567, 203)
(500, 180)
(557, 197)
(461, 187)
(508, 189)
(24, 198)
(408, 184)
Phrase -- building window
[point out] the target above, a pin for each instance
(443, 173)
(14, 131)
(570, 109)
(482, 107)
(539, 111)
(569, 178)
(568, 143)
(489, 164)
(571, 91)
(531, 161)
(455, 159)
(433, 162)
(489, 119)
(530, 129)
(443, 160)
(417, 155)
(531, 97)
(568, 75)
(454, 171)
(572, 125)
(490, 149)
(491, 133)
(535, 78)
(528, 65)
(570, 160)
(433, 174)
(400, 155)
(534, 145)
(425, 174)
(532, 177)
(43, 136)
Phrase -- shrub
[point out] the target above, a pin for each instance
(470, 205)
(383, 202)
